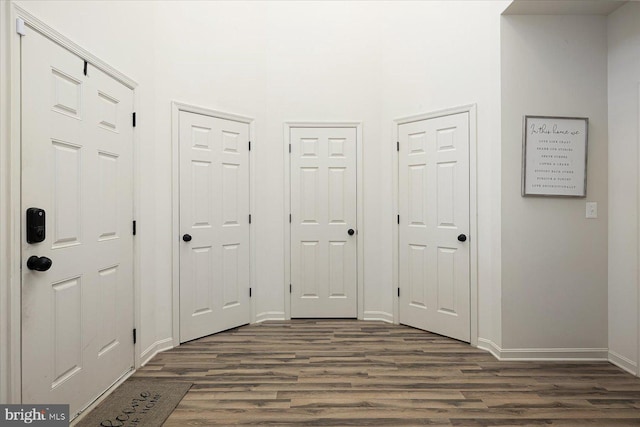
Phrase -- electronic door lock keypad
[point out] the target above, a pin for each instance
(36, 231)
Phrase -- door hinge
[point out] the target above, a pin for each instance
(398, 291)
(289, 148)
(398, 146)
(249, 292)
(134, 336)
(85, 67)
(133, 119)
(290, 288)
(289, 218)
(20, 27)
(249, 218)
(134, 227)
(249, 145)
(398, 219)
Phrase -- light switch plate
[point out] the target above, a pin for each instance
(592, 210)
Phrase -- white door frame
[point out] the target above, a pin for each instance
(473, 210)
(13, 383)
(176, 108)
(359, 209)
(638, 260)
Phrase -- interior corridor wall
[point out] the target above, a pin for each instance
(554, 261)
(624, 118)
(335, 61)
(297, 61)
(122, 34)
(434, 56)
(212, 54)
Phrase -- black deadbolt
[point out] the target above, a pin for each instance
(462, 238)
(186, 237)
(39, 263)
(35, 225)
(351, 232)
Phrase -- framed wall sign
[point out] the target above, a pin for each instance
(554, 156)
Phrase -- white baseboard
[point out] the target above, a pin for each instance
(490, 346)
(270, 315)
(378, 315)
(540, 354)
(623, 362)
(155, 348)
(567, 354)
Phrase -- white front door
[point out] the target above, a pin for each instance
(323, 222)
(214, 222)
(434, 225)
(77, 151)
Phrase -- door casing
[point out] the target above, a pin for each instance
(638, 282)
(473, 210)
(359, 211)
(13, 384)
(176, 108)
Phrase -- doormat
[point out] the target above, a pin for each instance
(137, 403)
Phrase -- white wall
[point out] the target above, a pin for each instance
(624, 115)
(291, 61)
(320, 62)
(436, 56)
(330, 61)
(130, 49)
(554, 261)
(210, 54)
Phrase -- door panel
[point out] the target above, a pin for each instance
(77, 165)
(214, 210)
(434, 210)
(323, 209)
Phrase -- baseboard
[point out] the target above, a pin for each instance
(567, 354)
(490, 346)
(378, 315)
(270, 315)
(624, 363)
(540, 354)
(155, 348)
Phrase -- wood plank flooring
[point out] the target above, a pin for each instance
(347, 372)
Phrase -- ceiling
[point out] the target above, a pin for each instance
(563, 7)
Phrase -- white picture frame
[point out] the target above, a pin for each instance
(554, 156)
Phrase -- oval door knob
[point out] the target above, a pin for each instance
(39, 263)
(186, 237)
(351, 232)
(462, 238)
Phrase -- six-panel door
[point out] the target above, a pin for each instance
(323, 210)
(77, 151)
(434, 225)
(214, 222)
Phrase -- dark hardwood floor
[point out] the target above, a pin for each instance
(344, 373)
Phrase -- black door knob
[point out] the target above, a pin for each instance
(351, 232)
(186, 237)
(462, 238)
(39, 263)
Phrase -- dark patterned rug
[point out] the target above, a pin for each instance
(137, 403)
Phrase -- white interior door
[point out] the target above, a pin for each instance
(323, 222)
(77, 150)
(434, 225)
(214, 220)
